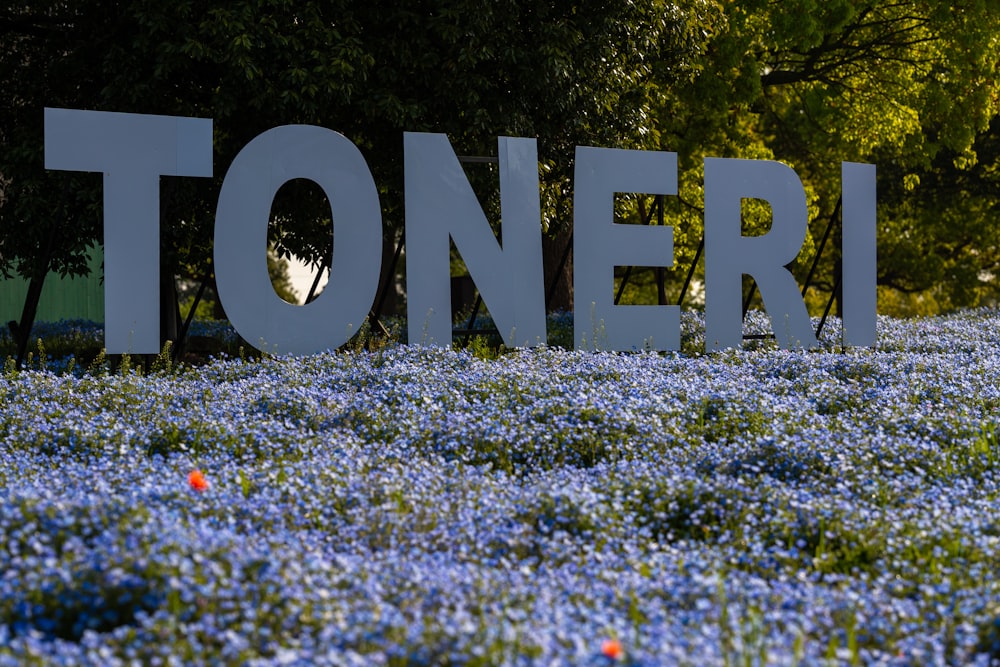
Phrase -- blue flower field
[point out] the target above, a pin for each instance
(414, 506)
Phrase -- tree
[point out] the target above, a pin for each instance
(568, 72)
(942, 245)
(905, 84)
(46, 222)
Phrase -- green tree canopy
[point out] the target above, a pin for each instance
(567, 72)
(909, 85)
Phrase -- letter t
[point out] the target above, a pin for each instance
(132, 151)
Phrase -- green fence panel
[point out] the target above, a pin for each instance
(62, 298)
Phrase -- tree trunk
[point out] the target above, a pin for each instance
(838, 287)
(22, 329)
(169, 307)
(387, 298)
(170, 313)
(558, 273)
(838, 269)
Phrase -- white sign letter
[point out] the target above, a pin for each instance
(133, 151)
(600, 245)
(440, 204)
(265, 164)
(858, 253)
(729, 254)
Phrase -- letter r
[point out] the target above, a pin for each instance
(729, 254)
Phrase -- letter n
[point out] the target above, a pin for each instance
(440, 205)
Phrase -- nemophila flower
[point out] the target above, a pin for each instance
(612, 649)
(197, 481)
(422, 505)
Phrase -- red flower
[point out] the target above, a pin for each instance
(197, 481)
(612, 649)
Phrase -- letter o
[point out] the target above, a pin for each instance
(257, 313)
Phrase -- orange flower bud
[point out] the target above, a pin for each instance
(197, 481)
(612, 649)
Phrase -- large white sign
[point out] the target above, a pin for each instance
(134, 150)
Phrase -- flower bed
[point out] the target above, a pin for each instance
(425, 507)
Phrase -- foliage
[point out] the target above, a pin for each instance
(910, 86)
(570, 73)
(77, 347)
(939, 242)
